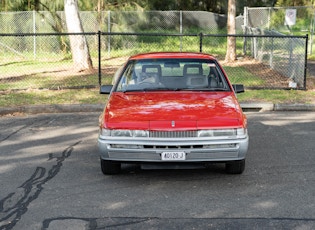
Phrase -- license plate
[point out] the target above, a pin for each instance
(173, 156)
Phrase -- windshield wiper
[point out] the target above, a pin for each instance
(218, 89)
(147, 89)
(131, 90)
(173, 89)
(202, 89)
(156, 89)
(161, 89)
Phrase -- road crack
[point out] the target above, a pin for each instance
(15, 205)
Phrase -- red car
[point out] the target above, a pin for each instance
(172, 107)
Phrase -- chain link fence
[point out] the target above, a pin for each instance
(273, 18)
(282, 20)
(264, 61)
(284, 55)
(35, 49)
(50, 67)
(118, 21)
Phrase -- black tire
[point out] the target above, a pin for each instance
(110, 167)
(235, 167)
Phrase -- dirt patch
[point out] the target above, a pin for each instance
(52, 72)
(311, 68)
(272, 78)
(69, 72)
(310, 79)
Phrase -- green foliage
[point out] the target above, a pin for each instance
(216, 6)
(57, 5)
(292, 3)
(29, 5)
(277, 96)
(277, 19)
(304, 17)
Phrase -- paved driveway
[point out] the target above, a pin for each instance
(51, 179)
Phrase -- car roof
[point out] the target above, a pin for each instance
(159, 55)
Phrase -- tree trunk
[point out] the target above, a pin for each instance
(231, 24)
(79, 47)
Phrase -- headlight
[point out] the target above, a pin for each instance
(120, 133)
(241, 131)
(124, 133)
(105, 132)
(217, 133)
(140, 133)
(205, 133)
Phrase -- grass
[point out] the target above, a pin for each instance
(27, 83)
(36, 81)
(241, 76)
(46, 97)
(278, 96)
(92, 96)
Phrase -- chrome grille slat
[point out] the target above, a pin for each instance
(173, 134)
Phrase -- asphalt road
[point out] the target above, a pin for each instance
(51, 179)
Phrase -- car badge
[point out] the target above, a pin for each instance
(173, 124)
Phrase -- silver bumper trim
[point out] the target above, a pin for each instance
(149, 150)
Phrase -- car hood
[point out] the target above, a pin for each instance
(172, 110)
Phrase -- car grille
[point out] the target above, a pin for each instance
(211, 146)
(173, 134)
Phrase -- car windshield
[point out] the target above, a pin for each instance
(172, 74)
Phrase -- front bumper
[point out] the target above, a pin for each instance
(151, 149)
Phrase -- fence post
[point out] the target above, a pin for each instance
(271, 53)
(291, 71)
(269, 17)
(181, 29)
(245, 29)
(312, 33)
(99, 58)
(255, 50)
(246, 16)
(200, 42)
(108, 30)
(34, 31)
(305, 62)
(244, 40)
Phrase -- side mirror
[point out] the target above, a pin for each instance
(238, 88)
(106, 89)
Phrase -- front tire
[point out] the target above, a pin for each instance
(235, 167)
(110, 167)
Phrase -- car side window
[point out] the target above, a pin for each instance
(126, 78)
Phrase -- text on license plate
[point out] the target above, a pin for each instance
(173, 156)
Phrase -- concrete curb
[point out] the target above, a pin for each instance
(277, 107)
(65, 108)
(257, 107)
(75, 108)
(294, 107)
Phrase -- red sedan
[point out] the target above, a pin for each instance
(172, 107)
